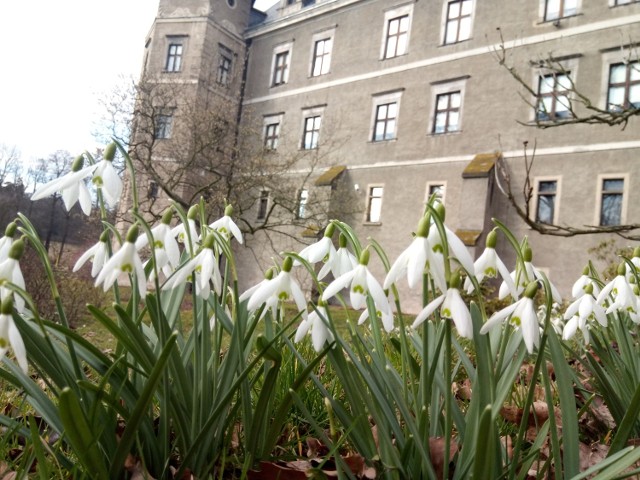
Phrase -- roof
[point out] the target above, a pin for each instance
(330, 175)
(481, 165)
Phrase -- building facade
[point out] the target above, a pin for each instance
(382, 104)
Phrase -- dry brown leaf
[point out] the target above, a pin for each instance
(437, 452)
(462, 390)
(276, 471)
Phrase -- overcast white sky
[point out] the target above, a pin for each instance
(58, 58)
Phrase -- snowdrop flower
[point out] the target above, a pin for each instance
(70, 186)
(580, 285)
(452, 307)
(272, 302)
(489, 265)
(317, 323)
(523, 276)
(522, 315)
(622, 293)
(188, 234)
(165, 246)
(414, 259)
(341, 262)
(281, 288)
(226, 226)
(7, 240)
(320, 250)
(10, 336)
(205, 266)
(10, 272)
(106, 178)
(584, 308)
(99, 254)
(361, 282)
(635, 260)
(125, 260)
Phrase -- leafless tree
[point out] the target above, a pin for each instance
(10, 165)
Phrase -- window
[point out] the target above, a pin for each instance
(321, 57)
(153, 190)
(385, 122)
(374, 204)
(546, 201)
(263, 205)
(174, 57)
(271, 133)
(611, 201)
(224, 69)
(438, 189)
(624, 2)
(458, 26)
(624, 86)
(311, 132)
(280, 68)
(303, 199)
(395, 35)
(555, 9)
(163, 126)
(553, 97)
(447, 113)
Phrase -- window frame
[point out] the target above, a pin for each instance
(380, 99)
(225, 65)
(302, 200)
(389, 16)
(626, 85)
(370, 197)
(163, 125)
(600, 192)
(311, 113)
(443, 87)
(263, 204)
(537, 193)
(173, 62)
(324, 59)
(271, 143)
(446, 20)
(544, 10)
(436, 183)
(616, 3)
(555, 94)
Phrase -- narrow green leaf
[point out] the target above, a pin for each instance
(484, 451)
(626, 427)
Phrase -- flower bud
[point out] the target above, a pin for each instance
(268, 275)
(192, 214)
(527, 254)
(328, 232)
(585, 271)
(364, 257)
(343, 240)
(17, 249)
(622, 268)
(492, 239)
(78, 163)
(228, 210)
(6, 308)
(11, 229)
(588, 289)
(440, 210)
(104, 236)
(423, 227)
(167, 217)
(636, 252)
(287, 264)
(132, 234)
(455, 281)
(209, 241)
(531, 290)
(109, 152)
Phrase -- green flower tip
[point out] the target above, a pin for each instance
(527, 254)
(192, 214)
(17, 249)
(287, 264)
(423, 227)
(622, 268)
(167, 216)
(636, 252)
(7, 305)
(531, 290)
(328, 232)
(343, 241)
(209, 240)
(11, 229)
(228, 211)
(455, 281)
(585, 270)
(588, 289)
(364, 257)
(104, 236)
(492, 239)
(321, 303)
(268, 275)
(132, 234)
(109, 152)
(440, 211)
(78, 163)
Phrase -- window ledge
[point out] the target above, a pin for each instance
(558, 20)
(455, 43)
(372, 224)
(444, 134)
(384, 59)
(382, 142)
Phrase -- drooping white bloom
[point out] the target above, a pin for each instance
(452, 307)
(10, 272)
(490, 265)
(340, 262)
(320, 250)
(584, 308)
(456, 247)
(414, 259)
(71, 187)
(582, 283)
(226, 226)
(7, 240)
(165, 246)
(205, 266)
(283, 287)
(98, 253)
(188, 234)
(361, 283)
(125, 260)
(106, 178)
(622, 294)
(10, 336)
(317, 323)
(521, 315)
(523, 276)
(271, 302)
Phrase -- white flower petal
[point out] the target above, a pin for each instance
(428, 310)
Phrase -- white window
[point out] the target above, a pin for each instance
(311, 122)
(321, 47)
(271, 130)
(612, 199)
(303, 199)
(554, 89)
(546, 198)
(397, 27)
(374, 204)
(557, 9)
(386, 107)
(163, 126)
(280, 64)
(447, 101)
(223, 75)
(623, 90)
(175, 51)
(458, 21)
(437, 190)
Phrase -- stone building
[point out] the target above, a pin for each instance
(382, 103)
